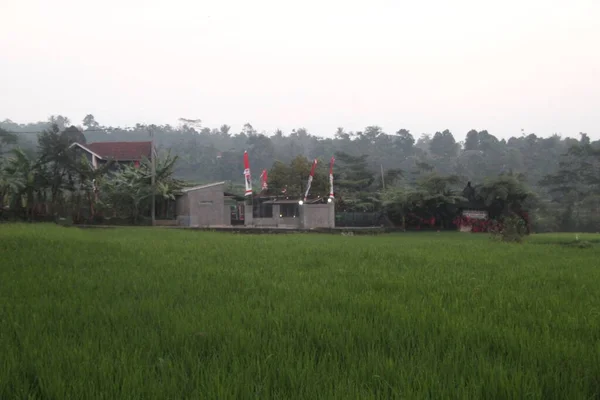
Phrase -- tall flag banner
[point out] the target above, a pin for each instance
(331, 177)
(310, 178)
(263, 180)
(247, 175)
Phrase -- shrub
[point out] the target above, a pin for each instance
(512, 229)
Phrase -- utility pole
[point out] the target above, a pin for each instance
(153, 164)
(382, 180)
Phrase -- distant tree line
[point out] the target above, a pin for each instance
(554, 178)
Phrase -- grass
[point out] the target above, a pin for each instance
(168, 314)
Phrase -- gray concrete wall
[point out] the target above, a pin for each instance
(182, 205)
(317, 216)
(227, 214)
(288, 222)
(311, 216)
(275, 221)
(248, 217)
(271, 222)
(203, 207)
(183, 220)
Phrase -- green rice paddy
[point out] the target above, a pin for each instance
(141, 313)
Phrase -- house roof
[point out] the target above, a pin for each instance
(191, 189)
(121, 151)
(234, 196)
(85, 148)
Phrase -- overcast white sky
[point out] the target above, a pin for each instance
(422, 65)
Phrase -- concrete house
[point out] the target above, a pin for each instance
(290, 214)
(121, 152)
(210, 206)
(206, 205)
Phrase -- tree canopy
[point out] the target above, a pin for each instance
(559, 171)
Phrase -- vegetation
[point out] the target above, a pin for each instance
(554, 178)
(54, 181)
(143, 313)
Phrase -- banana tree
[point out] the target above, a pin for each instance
(126, 190)
(10, 185)
(130, 189)
(88, 182)
(21, 181)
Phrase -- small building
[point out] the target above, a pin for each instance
(290, 214)
(207, 205)
(99, 153)
(210, 206)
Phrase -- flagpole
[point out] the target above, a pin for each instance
(152, 161)
(310, 179)
(331, 195)
(248, 183)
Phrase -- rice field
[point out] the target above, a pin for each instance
(140, 313)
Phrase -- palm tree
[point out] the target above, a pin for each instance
(57, 159)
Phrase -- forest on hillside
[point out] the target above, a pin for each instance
(561, 175)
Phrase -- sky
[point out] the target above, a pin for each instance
(428, 65)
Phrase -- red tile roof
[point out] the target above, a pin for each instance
(122, 151)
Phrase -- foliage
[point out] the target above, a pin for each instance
(89, 179)
(505, 194)
(437, 197)
(399, 202)
(57, 158)
(6, 139)
(575, 187)
(128, 192)
(73, 135)
(162, 314)
(354, 183)
(443, 144)
(21, 181)
(292, 179)
(55, 182)
(354, 173)
(511, 229)
(90, 122)
(215, 154)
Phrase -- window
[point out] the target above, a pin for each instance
(262, 210)
(289, 211)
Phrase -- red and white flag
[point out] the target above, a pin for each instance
(247, 175)
(331, 177)
(310, 178)
(263, 180)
